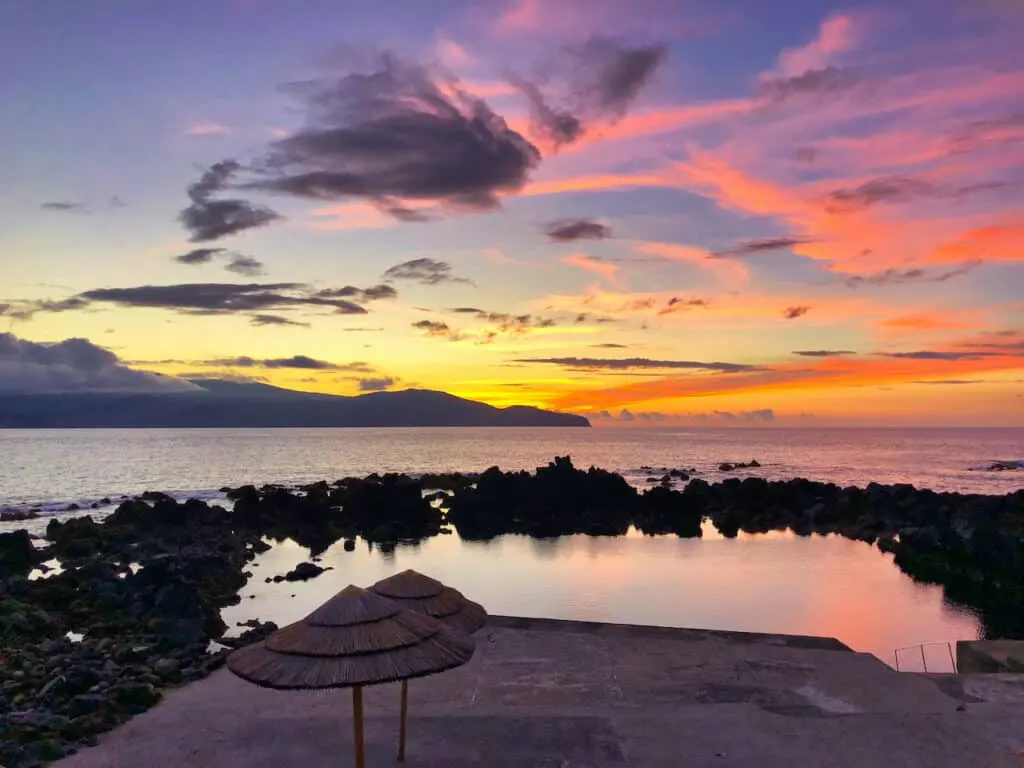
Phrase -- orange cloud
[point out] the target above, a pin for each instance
(829, 373)
(926, 321)
(999, 242)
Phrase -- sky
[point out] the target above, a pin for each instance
(676, 211)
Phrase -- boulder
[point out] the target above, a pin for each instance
(17, 555)
(304, 572)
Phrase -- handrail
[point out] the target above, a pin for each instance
(921, 647)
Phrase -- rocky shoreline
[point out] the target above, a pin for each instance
(142, 590)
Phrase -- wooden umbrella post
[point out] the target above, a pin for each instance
(357, 717)
(401, 726)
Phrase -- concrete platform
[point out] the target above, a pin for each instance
(556, 694)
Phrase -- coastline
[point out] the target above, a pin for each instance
(147, 585)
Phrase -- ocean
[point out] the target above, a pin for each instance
(776, 582)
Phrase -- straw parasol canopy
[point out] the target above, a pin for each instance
(356, 638)
(416, 592)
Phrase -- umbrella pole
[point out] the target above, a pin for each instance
(357, 711)
(401, 727)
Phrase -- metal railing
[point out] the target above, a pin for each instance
(924, 660)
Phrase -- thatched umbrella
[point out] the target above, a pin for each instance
(416, 592)
(356, 638)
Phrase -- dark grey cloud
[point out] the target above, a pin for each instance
(263, 319)
(504, 322)
(616, 364)
(813, 82)
(199, 256)
(245, 265)
(396, 134)
(676, 304)
(585, 317)
(928, 354)
(208, 219)
(301, 362)
(557, 125)
(609, 345)
(886, 189)
(361, 295)
(73, 365)
(918, 275)
(64, 206)
(569, 230)
(252, 299)
(432, 327)
(599, 80)
(823, 352)
(792, 313)
(377, 384)
(760, 245)
(25, 310)
(425, 271)
(898, 189)
(950, 382)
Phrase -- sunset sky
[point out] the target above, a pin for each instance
(661, 211)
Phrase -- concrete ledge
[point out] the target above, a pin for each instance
(667, 633)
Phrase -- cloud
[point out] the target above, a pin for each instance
(207, 129)
(504, 322)
(362, 295)
(25, 310)
(896, 277)
(792, 313)
(245, 265)
(675, 304)
(898, 189)
(609, 345)
(823, 352)
(600, 80)
(262, 319)
(929, 354)
(839, 33)
(424, 271)
(220, 299)
(809, 83)
(950, 382)
(300, 362)
(616, 364)
(199, 256)
(397, 134)
(605, 269)
(377, 384)
(886, 189)
(760, 245)
(568, 230)
(433, 328)
(64, 206)
(73, 365)
(209, 219)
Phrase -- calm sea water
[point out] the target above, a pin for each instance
(769, 583)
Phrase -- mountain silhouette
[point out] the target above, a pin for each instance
(225, 403)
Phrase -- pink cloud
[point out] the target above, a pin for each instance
(837, 34)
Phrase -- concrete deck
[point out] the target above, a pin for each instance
(542, 694)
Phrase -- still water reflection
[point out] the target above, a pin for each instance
(776, 582)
